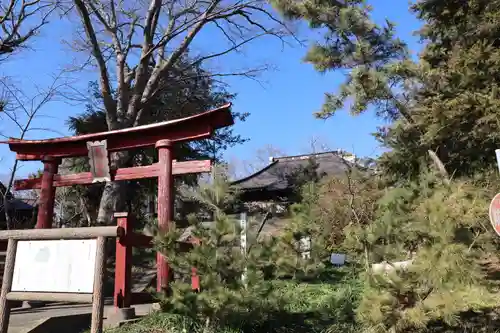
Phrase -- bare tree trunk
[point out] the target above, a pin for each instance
(8, 212)
(112, 200)
(86, 211)
(439, 166)
(167, 31)
(113, 197)
(7, 197)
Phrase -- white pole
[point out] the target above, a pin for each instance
(243, 240)
(497, 153)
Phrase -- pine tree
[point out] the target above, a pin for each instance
(443, 230)
(372, 55)
(444, 108)
(305, 228)
(218, 259)
(446, 102)
(307, 174)
(301, 252)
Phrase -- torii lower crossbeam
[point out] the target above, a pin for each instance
(142, 172)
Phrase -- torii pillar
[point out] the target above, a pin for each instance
(165, 206)
(47, 193)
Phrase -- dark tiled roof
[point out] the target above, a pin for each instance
(275, 175)
(16, 204)
(20, 204)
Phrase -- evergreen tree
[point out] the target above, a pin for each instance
(300, 251)
(444, 106)
(442, 230)
(455, 108)
(218, 259)
(325, 208)
(298, 178)
(352, 41)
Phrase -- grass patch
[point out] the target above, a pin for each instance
(164, 323)
(293, 307)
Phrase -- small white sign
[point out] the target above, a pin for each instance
(305, 247)
(65, 266)
(243, 234)
(337, 259)
(243, 241)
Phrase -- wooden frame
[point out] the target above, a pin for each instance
(97, 298)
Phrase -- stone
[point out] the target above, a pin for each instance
(115, 316)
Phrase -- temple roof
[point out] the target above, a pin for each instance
(275, 176)
(15, 203)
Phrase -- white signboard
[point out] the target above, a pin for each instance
(65, 266)
(337, 259)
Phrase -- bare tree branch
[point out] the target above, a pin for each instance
(137, 45)
(20, 20)
(17, 102)
(109, 102)
(167, 31)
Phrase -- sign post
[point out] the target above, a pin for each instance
(495, 213)
(497, 153)
(67, 265)
(243, 240)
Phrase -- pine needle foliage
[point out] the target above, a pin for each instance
(443, 230)
(218, 259)
(304, 223)
(351, 41)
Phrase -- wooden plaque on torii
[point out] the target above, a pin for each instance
(99, 161)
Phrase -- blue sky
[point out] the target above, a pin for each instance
(281, 103)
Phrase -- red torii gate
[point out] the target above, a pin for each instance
(98, 146)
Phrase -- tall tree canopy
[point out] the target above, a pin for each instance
(456, 106)
(444, 106)
(138, 47)
(181, 96)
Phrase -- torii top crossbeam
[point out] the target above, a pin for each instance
(199, 126)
